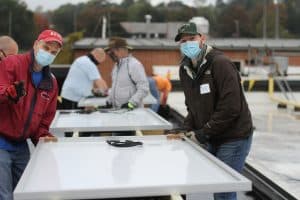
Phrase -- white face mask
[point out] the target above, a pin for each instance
(44, 58)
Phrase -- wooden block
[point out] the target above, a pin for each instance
(153, 132)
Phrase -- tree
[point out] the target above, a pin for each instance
(41, 21)
(137, 11)
(235, 19)
(226, 18)
(126, 3)
(116, 15)
(63, 18)
(247, 4)
(177, 11)
(219, 3)
(293, 17)
(199, 3)
(66, 54)
(90, 18)
(16, 20)
(209, 12)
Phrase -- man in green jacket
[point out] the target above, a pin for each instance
(218, 114)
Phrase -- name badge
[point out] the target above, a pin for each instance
(204, 88)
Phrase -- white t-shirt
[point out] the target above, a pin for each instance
(79, 81)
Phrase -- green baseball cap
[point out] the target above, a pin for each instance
(189, 28)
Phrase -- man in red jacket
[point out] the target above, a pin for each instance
(28, 95)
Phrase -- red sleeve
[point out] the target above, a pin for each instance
(48, 116)
(7, 71)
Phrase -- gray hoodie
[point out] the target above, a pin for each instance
(129, 82)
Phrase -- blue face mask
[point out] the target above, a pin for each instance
(190, 48)
(44, 58)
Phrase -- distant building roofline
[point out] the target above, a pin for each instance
(153, 27)
(222, 43)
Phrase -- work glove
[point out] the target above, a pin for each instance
(128, 105)
(175, 136)
(15, 91)
(99, 92)
(198, 136)
(176, 133)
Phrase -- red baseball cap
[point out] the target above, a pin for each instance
(51, 36)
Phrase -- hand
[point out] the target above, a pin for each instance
(129, 106)
(173, 136)
(15, 91)
(197, 136)
(88, 110)
(97, 92)
(49, 139)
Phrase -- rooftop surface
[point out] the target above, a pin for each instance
(275, 148)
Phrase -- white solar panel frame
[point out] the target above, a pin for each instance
(101, 101)
(137, 120)
(195, 170)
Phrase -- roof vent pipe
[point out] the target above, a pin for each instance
(104, 24)
(148, 21)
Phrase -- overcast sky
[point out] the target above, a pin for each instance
(53, 4)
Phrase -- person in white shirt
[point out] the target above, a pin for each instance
(84, 79)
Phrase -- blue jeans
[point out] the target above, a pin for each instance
(233, 154)
(12, 165)
(155, 93)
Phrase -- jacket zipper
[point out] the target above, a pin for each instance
(117, 77)
(29, 118)
(116, 80)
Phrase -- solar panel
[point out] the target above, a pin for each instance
(85, 168)
(108, 120)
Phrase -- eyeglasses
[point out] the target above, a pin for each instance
(49, 47)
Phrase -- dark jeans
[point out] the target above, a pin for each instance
(233, 154)
(12, 165)
(68, 104)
